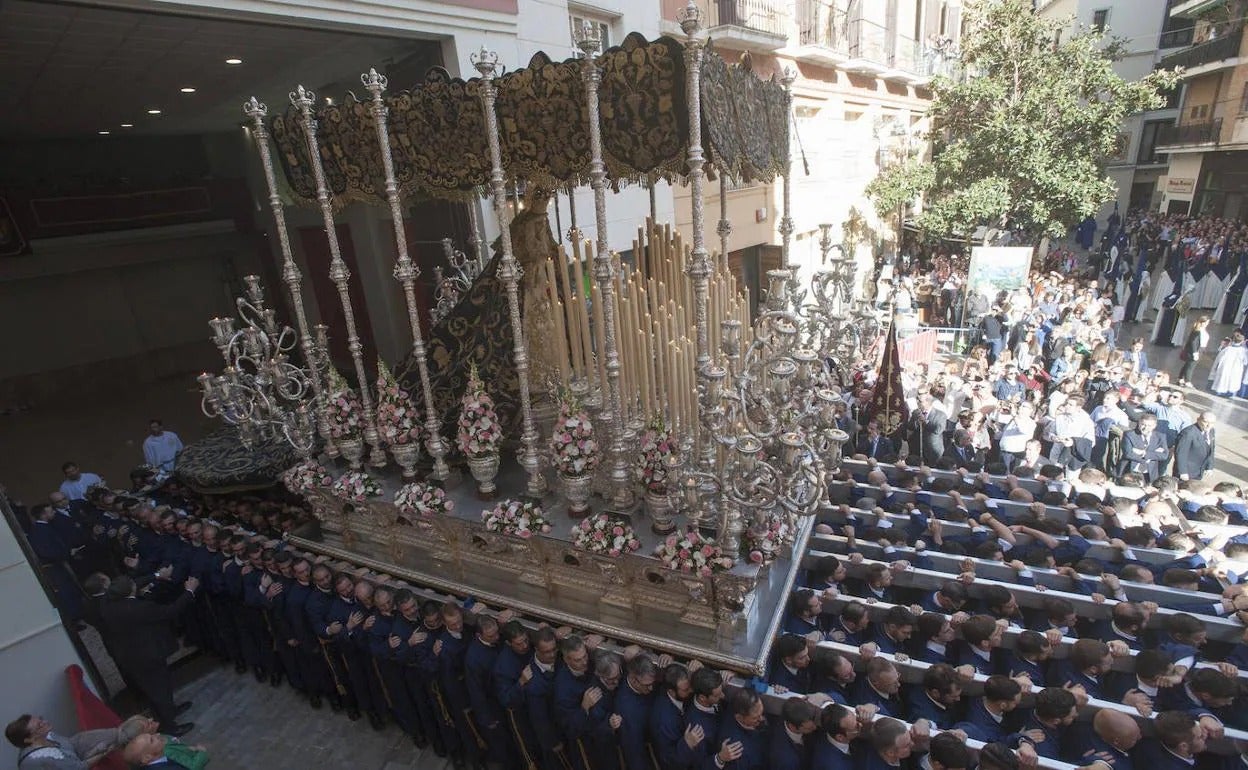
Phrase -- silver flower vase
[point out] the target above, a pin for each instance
(577, 489)
(353, 450)
(484, 469)
(406, 456)
(660, 509)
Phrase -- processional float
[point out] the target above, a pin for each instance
(649, 386)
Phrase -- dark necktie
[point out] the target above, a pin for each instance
(875, 445)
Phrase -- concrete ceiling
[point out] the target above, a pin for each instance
(73, 70)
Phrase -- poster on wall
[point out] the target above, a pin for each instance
(995, 269)
(11, 241)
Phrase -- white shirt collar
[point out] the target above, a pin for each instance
(1120, 632)
(545, 668)
(982, 654)
(995, 717)
(1147, 689)
(842, 747)
(1190, 761)
(705, 709)
(795, 737)
(679, 704)
(936, 647)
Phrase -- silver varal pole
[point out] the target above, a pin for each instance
(405, 272)
(622, 495)
(699, 268)
(291, 275)
(786, 221)
(478, 240)
(509, 271)
(340, 275)
(724, 227)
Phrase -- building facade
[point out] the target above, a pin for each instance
(1148, 33)
(1208, 146)
(860, 98)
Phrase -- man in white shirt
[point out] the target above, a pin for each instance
(161, 447)
(76, 482)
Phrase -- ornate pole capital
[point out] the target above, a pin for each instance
(374, 83)
(485, 61)
(690, 19)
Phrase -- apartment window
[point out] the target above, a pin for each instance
(1243, 99)
(577, 22)
(1100, 19)
(1146, 153)
(944, 20)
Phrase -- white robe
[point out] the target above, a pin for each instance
(1208, 291)
(1161, 311)
(1146, 283)
(1228, 369)
(1163, 287)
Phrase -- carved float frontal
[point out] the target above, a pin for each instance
(673, 439)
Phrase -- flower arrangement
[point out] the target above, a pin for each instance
(761, 546)
(605, 533)
(308, 474)
(424, 499)
(398, 420)
(572, 442)
(657, 445)
(692, 553)
(479, 430)
(342, 408)
(356, 486)
(513, 517)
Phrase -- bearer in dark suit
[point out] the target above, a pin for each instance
(1193, 452)
(144, 640)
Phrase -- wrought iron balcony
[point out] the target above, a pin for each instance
(1221, 48)
(1205, 132)
(764, 16)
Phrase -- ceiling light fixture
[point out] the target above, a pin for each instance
(102, 133)
(188, 90)
(127, 125)
(153, 112)
(233, 61)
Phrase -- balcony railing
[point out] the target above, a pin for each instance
(1206, 132)
(1224, 46)
(1176, 38)
(767, 16)
(826, 27)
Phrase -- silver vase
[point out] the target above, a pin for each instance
(484, 469)
(660, 509)
(577, 489)
(406, 456)
(353, 450)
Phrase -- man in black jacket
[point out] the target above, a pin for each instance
(1193, 452)
(143, 640)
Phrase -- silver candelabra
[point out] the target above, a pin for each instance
(260, 392)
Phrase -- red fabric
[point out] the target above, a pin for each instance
(93, 714)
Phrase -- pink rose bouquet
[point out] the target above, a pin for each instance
(690, 552)
(516, 518)
(605, 533)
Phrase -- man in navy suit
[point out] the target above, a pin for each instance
(852, 626)
(743, 732)
(832, 674)
(703, 718)
(891, 744)
(538, 683)
(634, 700)
(788, 750)
(573, 698)
(938, 698)
(987, 716)
(951, 597)
(1051, 718)
(1087, 664)
(896, 630)
(54, 556)
(1114, 736)
(666, 729)
(790, 664)
(839, 728)
(1206, 692)
(981, 635)
(804, 613)
(1178, 740)
(948, 752)
(515, 655)
(880, 686)
(1030, 656)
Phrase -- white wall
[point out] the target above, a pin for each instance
(34, 648)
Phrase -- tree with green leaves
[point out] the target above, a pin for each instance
(1020, 139)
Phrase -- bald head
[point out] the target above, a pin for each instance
(1117, 729)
